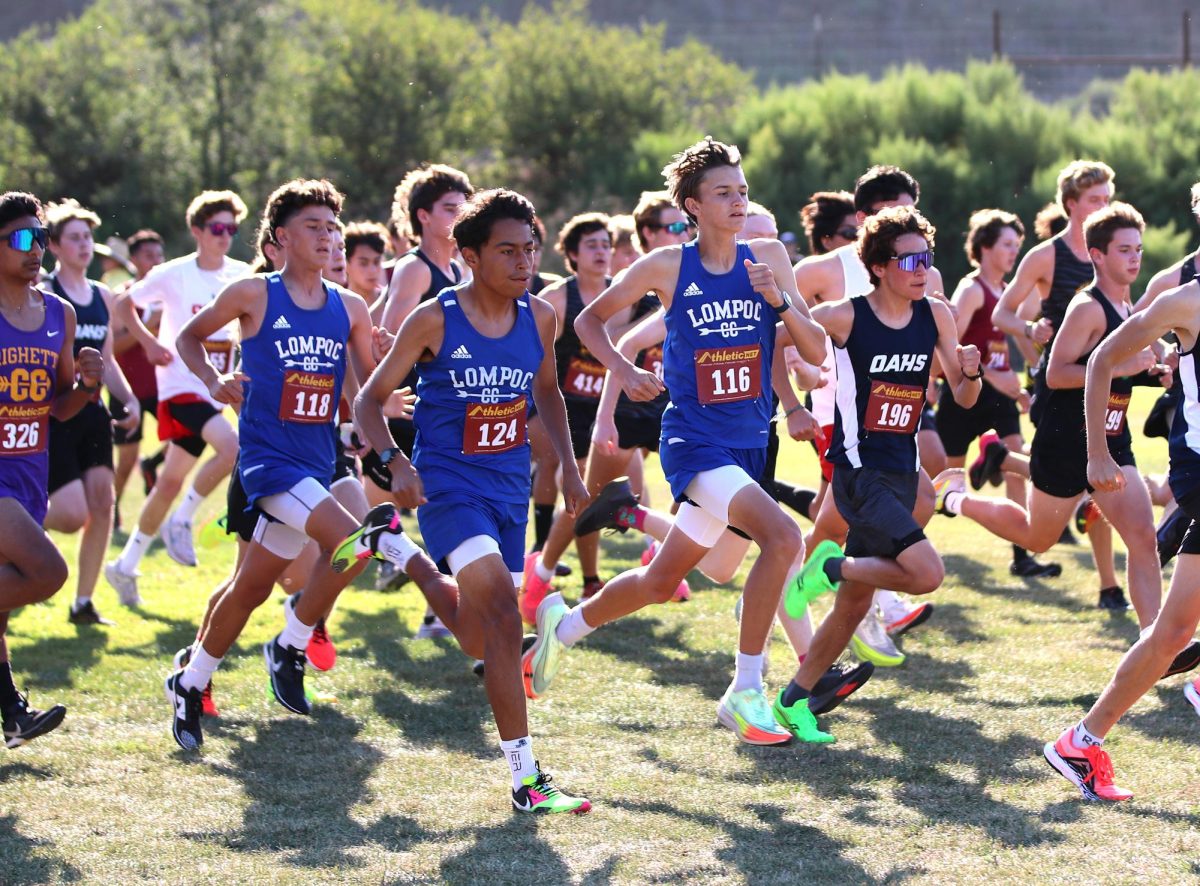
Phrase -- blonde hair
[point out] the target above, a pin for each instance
(1079, 175)
(58, 215)
(206, 204)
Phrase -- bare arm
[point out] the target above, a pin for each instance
(646, 333)
(410, 278)
(70, 397)
(553, 410)
(772, 276)
(958, 361)
(244, 300)
(1036, 267)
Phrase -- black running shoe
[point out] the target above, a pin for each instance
(87, 615)
(1113, 599)
(149, 471)
(1170, 535)
(23, 723)
(603, 511)
(987, 468)
(1027, 567)
(562, 570)
(838, 684)
(1067, 537)
(526, 642)
(1185, 661)
(186, 708)
(285, 667)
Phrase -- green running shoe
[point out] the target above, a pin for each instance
(539, 666)
(537, 794)
(214, 532)
(812, 581)
(800, 721)
(363, 543)
(747, 714)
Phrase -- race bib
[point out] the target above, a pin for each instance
(220, 354)
(307, 397)
(727, 375)
(997, 355)
(894, 408)
(1114, 414)
(652, 361)
(584, 378)
(23, 429)
(490, 428)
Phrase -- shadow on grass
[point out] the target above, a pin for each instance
(300, 801)
(951, 619)
(978, 577)
(47, 662)
(509, 852)
(25, 860)
(643, 640)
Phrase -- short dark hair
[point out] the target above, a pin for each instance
(1050, 220)
(369, 234)
(141, 238)
(262, 264)
(877, 239)
(483, 209)
(984, 229)
(288, 199)
(422, 188)
(880, 184)
(18, 204)
(539, 231)
(206, 204)
(648, 214)
(1100, 227)
(576, 229)
(687, 169)
(823, 214)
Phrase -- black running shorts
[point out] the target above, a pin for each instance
(958, 427)
(877, 506)
(80, 443)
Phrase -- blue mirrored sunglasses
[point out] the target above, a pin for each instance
(22, 239)
(910, 261)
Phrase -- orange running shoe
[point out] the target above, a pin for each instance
(1086, 515)
(533, 589)
(320, 650)
(1090, 769)
(208, 707)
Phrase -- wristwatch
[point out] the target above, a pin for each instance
(783, 308)
(388, 455)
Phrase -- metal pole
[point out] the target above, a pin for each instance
(998, 51)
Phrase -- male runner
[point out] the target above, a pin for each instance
(481, 351)
(723, 298)
(188, 416)
(366, 243)
(39, 378)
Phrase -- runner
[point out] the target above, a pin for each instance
(714, 431)
(366, 243)
(81, 448)
(188, 416)
(993, 243)
(481, 351)
(38, 371)
(625, 248)
(885, 343)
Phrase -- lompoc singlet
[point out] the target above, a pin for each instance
(717, 355)
(437, 282)
(28, 374)
(651, 360)
(991, 342)
(91, 320)
(296, 363)
(580, 375)
(882, 376)
(472, 403)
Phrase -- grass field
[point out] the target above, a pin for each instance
(937, 775)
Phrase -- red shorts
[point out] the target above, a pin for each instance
(182, 418)
(822, 446)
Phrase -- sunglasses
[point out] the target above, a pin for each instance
(910, 261)
(847, 233)
(220, 229)
(679, 227)
(22, 239)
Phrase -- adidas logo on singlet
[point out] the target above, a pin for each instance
(281, 323)
(692, 289)
(461, 353)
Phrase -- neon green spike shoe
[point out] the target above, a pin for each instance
(800, 721)
(539, 795)
(812, 581)
(213, 533)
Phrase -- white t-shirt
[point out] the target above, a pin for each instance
(855, 281)
(182, 289)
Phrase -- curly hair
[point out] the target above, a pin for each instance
(288, 199)
(475, 219)
(984, 229)
(576, 229)
(877, 239)
(823, 214)
(208, 203)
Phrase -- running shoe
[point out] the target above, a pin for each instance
(648, 553)
(749, 715)
(949, 480)
(208, 706)
(381, 521)
(186, 710)
(1113, 599)
(1170, 533)
(986, 468)
(562, 570)
(23, 723)
(533, 589)
(1028, 567)
(285, 667)
(540, 663)
(390, 578)
(1185, 660)
(799, 721)
(149, 470)
(811, 582)
(606, 509)
(870, 642)
(213, 533)
(904, 618)
(1090, 769)
(1087, 512)
(682, 594)
(432, 629)
(1192, 695)
(591, 589)
(539, 795)
(836, 685)
(526, 642)
(87, 615)
(124, 583)
(177, 536)
(1067, 537)
(320, 652)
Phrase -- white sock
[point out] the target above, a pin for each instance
(748, 673)
(519, 755)
(544, 572)
(1081, 738)
(889, 602)
(80, 602)
(199, 670)
(954, 502)
(133, 552)
(573, 628)
(187, 508)
(296, 633)
(398, 549)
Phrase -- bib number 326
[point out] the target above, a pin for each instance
(490, 428)
(23, 429)
(727, 375)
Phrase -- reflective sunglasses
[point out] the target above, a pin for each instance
(910, 261)
(678, 227)
(22, 239)
(847, 233)
(220, 229)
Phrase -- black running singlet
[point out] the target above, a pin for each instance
(1070, 275)
(650, 360)
(91, 320)
(437, 282)
(1187, 272)
(580, 374)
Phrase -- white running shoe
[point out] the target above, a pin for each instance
(177, 536)
(432, 628)
(124, 583)
(870, 642)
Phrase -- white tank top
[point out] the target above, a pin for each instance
(855, 281)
